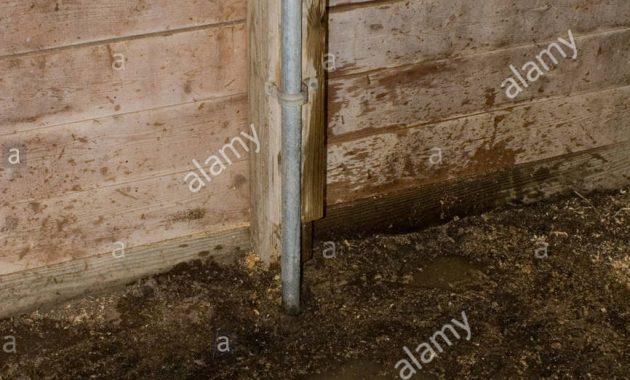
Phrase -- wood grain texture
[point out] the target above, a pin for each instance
(82, 224)
(21, 292)
(384, 34)
(89, 184)
(59, 87)
(314, 40)
(263, 30)
(114, 150)
(433, 91)
(486, 142)
(603, 168)
(339, 4)
(29, 26)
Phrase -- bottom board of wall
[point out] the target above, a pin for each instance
(25, 290)
(602, 168)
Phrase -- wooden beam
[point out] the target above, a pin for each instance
(264, 43)
(314, 41)
(314, 37)
(264, 69)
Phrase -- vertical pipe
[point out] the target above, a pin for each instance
(291, 153)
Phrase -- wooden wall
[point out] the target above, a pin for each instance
(421, 74)
(107, 148)
(107, 144)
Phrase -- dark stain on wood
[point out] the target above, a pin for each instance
(188, 215)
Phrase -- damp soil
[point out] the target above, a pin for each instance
(545, 288)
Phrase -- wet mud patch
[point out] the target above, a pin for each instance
(562, 315)
(449, 272)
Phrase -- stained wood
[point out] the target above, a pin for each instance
(314, 40)
(59, 87)
(339, 4)
(603, 168)
(85, 223)
(36, 25)
(433, 91)
(264, 46)
(113, 150)
(383, 34)
(486, 142)
(25, 290)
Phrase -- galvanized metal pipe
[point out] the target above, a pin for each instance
(291, 152)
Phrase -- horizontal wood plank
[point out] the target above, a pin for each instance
(113, 150)
(393, 33)
(603, 168)
(26, 290)
(486, 142)
(86, 223)
(59, 87)
(434, 91)
(29, 26)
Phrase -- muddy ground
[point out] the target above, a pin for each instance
(560, 312)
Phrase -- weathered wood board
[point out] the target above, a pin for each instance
(120, 178)
(388, 161)
(314, 40)
(264, 47)
(433, 91)
(81, 224)
(603, 168)
(29, 26)
(22, 291)
(120, 149)
(61, 86)
(382, 34)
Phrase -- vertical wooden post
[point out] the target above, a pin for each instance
(264, 43)
(314, 42)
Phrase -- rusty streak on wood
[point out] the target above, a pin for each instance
(603, 168)
(381, 163)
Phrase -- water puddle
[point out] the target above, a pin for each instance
(451, 272)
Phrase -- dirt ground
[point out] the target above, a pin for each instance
(545, 289)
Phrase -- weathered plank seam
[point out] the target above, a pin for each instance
(339, 74)
(150, 109)
(132, 37)
(361, 133)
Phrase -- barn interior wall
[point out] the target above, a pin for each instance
(110, 104)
